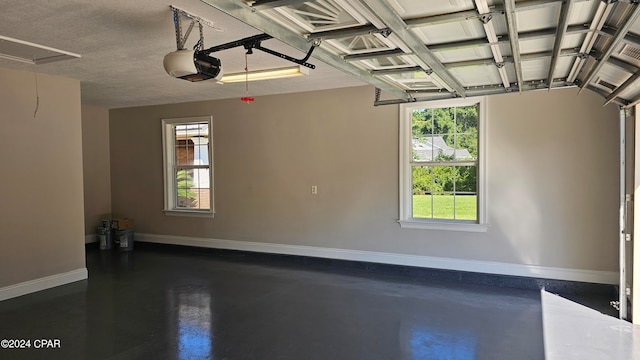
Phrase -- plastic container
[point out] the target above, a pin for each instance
(104, 237)
(124, 240)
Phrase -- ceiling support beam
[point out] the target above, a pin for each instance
(375, 54)
(444, 18)
(502, 39)
(487, 24)
(245, 14)
(628, 67)
(370, 29)
(617, 38)
(528, 85)
(477, 62)
(508, 59)
(393, 21)
(536, 34)
(601, 15)
(534, 4)
(622, 88)
(435, 96)
(347, 32)
(512, 27)
(398, 70)
(629, 38)
(563, 22)
(482, 90)
(465, 44)
(473, 15)
(632, 103)
(543, 54)
(270, 4)
(620, 102)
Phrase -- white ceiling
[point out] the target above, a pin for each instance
(441, 49)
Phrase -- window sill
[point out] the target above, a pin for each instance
(446, 226)
(189, 213)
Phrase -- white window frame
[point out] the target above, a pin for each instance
(405, 181)
(168, 161)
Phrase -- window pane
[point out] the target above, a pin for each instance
(184, 152)
(443, 206)
(444, 147)
(444, 120)
(423, 149)
(185, 197)
(467, 146)
(466, 207)
(422, 122)
(422, 206)
(466, 193)
(422, 188)
(443, 178)
(193, 189)
(200, 150)
(467, 132)
(201, 188)
(192, 144)
(466, 180)
(466, 118)
(422, 178)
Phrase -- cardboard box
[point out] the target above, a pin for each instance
(122, 224)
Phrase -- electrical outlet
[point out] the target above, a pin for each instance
(314, 190)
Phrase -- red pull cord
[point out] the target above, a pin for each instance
(248, 99)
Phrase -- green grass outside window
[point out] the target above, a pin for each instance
(443, 207)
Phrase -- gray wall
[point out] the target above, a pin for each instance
(96, 167)
(41, 215)
(552, 175)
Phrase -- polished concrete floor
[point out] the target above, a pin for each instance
(576, 332)
(161, 304)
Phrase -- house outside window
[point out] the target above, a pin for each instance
(188, 172)
(442, 165)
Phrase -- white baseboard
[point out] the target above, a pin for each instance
(487, 267)
(44, 283)
(91, 238)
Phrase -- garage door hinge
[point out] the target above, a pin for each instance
(627, 237)
(628, 197)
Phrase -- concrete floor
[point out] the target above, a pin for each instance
(576, 332)
(162, 304)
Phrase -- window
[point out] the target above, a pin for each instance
(188, 174)
(441, 165)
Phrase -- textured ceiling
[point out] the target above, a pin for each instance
(410, 49)
(122, 44)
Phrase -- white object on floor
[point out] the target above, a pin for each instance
(573, 331)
